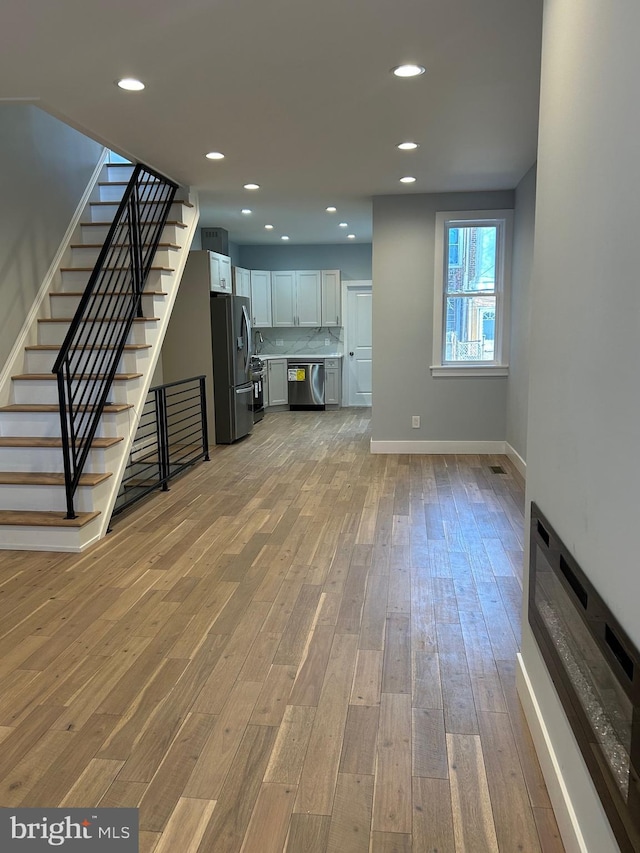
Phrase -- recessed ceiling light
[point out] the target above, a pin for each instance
(407, 146)
(407, 180)
(408, 70)
(246, 211)
(351, 236)
(284, 237)
(252, 186)
(131, 84)
(214, 155)
(331, 209)
(344, 225)
(269, 227)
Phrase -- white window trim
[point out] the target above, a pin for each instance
(459, 218)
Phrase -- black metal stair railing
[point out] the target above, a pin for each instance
(88, 360)
(172, 435)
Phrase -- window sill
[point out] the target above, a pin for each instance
(440, 370)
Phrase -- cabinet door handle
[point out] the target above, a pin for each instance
(337, 318)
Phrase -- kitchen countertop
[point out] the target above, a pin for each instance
(292, 356)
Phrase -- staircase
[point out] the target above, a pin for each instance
(32, 483)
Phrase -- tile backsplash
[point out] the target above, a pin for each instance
(290, 341)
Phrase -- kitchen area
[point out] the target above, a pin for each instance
(304, 381)
(265, 340)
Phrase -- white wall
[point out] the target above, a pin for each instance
(518, 381)
(451, 409)
(583, 465)
(46, 167)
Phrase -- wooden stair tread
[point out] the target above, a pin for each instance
(32, 518)
(42, 478)
(56, 347)
(108, 269)
(141, 183)
(52, 407)
(77, 293)
(120, 245)
(103, 224)
(122, 183)
(52, 376)
(142, 201)
(51, 441)
(95, 320)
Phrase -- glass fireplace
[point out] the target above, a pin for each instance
(596, 671)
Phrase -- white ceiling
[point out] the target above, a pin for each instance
(296, 93)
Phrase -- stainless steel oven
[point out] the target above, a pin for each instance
(257, 380)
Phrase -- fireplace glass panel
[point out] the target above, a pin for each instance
(598, 690)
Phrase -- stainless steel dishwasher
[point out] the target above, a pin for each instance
(305, 380)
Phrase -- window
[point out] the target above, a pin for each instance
(454, 247)
(472, 264)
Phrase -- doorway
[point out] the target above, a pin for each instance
(358, 343)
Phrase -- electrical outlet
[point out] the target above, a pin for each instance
(415, 421)
(279, 342)
(327, 342)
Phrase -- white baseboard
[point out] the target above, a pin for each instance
(518, 462)
(449, 447)
(15, 358)
(572, 837)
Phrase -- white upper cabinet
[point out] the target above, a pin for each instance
(331, 298)
(220, 273)
(308, 296)
(261, 298)
(242, 282)
(283, 297)
(296, 297)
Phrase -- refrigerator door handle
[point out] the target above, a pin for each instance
(247, 343)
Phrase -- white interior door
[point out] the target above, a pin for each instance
(359, 344)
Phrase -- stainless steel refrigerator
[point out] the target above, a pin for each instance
(231, 351)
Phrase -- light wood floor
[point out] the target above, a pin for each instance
(301, 647)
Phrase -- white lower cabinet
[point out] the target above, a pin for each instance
(332, 382)
(277, 390)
